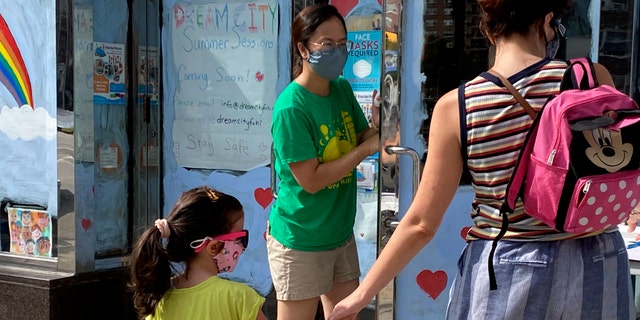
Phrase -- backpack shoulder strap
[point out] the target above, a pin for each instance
(462, 112)
(580, 74)
(523, 103)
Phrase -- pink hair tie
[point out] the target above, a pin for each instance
(163, 227)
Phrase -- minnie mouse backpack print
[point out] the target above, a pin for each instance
(579, 168)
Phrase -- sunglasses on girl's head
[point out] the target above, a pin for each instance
(242, 236)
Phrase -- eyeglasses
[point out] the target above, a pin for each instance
(328, 47)
(242, 236)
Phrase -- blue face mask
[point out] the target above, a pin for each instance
(554, 45)
(328, 63)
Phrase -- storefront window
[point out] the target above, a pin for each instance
(104, 159)
(29, 202)
(616, 36)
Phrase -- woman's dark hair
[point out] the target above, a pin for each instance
(305, 24)
(504, 17)
(198, 213)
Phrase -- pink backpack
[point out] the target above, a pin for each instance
(579, 167)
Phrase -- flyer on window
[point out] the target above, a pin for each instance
(108, 73)
(30, 232)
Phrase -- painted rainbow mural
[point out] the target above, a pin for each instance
(13, 72)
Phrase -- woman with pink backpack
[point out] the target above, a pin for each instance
(541, 273)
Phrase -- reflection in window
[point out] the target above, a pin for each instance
(455, 51)
(616, 36)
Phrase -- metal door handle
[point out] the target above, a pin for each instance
(414, 158)
(392, 222)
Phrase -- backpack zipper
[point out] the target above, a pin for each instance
(585, 190)
(552, 156)
(586, 187)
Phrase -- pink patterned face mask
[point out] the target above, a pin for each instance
(228, 257)
(234, 245)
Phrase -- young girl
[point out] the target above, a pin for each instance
(204, 232)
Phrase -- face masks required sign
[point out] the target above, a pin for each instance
(221, 57)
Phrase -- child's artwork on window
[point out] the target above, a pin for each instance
(30, 232)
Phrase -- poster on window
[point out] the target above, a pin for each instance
(222, 56)
(148, 82)
(364, 62)
(108, 73)
(30, 232)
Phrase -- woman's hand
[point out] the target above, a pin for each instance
(375, 109)
(371, 145)
(348, 308)
(632, 222)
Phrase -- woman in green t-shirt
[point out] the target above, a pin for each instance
(320, 135)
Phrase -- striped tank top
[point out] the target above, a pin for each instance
(495, 127)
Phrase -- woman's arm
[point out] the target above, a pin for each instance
(313, 175)
(437, 188)
(603, 75)
(366, 134)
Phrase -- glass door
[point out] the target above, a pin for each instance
(146, 107)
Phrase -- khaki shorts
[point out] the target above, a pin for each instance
(299, 275)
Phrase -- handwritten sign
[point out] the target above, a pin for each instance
(83, 56)
(224, 63)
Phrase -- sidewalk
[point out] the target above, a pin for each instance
(65, 120)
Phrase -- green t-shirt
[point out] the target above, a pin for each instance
(213, 299)
(305, 126)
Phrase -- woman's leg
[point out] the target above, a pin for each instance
(338, 292)
(297, 309)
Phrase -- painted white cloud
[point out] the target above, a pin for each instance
(27, 124)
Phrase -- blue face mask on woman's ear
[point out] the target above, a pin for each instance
(328, 66)
(553, 45)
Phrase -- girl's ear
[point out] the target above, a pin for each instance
(214, 247)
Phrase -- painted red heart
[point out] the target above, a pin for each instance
(259, 76)
(432, 282)
(86, 224)
(263, 196)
